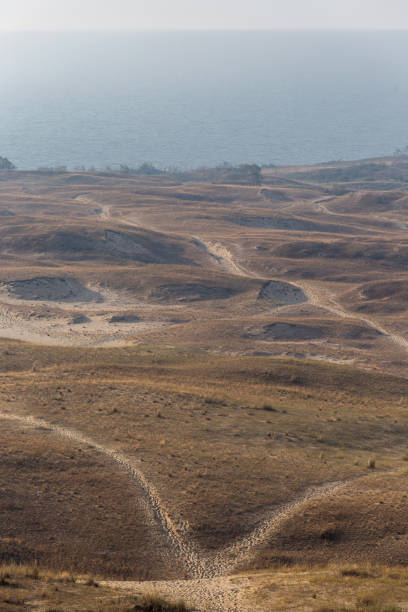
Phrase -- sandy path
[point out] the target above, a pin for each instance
(222, 256)
(195, 562)
(205, 594)
(208, 586)
(104, 210)
(244, 549)
(217, 594)
(156, 514)
(320, 206)
(316, 295)
(220, 592)
(320, 297)
(105, 213)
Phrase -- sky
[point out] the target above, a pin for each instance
(202, 14)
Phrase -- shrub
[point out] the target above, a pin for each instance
(269, 408)
(155, 603)
(6, 164)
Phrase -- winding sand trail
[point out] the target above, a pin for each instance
(104, 210)
(218, 590)
(207, 574)
(222, 257)
(317, 295)
(208, 584)
(322, 298)
(320, 206)
(156, 513)
(196, 564)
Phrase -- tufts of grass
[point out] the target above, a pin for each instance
(60, 591)
(357, 572)
(371, 464)
(371, 603)
(209, 399)
(65, 578)
(33, 572)
(151, 602)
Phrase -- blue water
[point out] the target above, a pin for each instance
(191, 99)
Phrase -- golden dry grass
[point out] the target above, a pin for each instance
(59, 229)
(225, 440)
(333, 588)
(228, 423)
(28, 587)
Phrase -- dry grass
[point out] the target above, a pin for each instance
(25, 587)
(69, 508)
(227, 422)
(336, 588)
(218, 457)
(156, 603)
(58, 229)
(333, 588)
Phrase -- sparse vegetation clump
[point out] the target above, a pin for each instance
(156, 603)
(371, 464)
(22, 584)
(146, 169)
(330, 588)
(6, 164)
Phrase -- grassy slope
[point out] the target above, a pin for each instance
(226, 440)
(28, 587)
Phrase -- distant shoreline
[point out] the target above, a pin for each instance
(152, 169)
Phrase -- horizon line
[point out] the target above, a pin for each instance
(209, 29)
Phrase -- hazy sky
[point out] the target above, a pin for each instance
(186, 14)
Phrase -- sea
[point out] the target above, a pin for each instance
(201, 98)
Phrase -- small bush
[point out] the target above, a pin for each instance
(66, 578)
(209, 399)
(6, 164)
(4, 577)
(370, 603)
(269, 408)
(356, 573)
(33, 572)
(155, 603)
